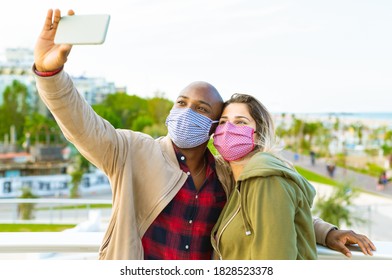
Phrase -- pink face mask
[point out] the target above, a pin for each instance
(233, 142)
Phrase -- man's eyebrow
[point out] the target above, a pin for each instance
(205, 103)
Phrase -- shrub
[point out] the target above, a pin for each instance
(26, 210)
(336, 208)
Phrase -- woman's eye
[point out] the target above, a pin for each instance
(222, 122)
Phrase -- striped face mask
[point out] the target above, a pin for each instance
(188, 129)
(233, 142)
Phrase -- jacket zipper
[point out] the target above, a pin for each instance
(223, 229)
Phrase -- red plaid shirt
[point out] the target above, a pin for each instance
(182, 230)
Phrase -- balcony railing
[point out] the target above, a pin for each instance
(87, 243)
(83, 242)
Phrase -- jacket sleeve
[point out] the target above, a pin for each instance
(93, 136)
(271, 206)
(321, 229)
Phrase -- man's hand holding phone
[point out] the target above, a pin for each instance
(49, 56)
(60, 33)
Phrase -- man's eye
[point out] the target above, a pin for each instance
(201, 109)
(222, 122)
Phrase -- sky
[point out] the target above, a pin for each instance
(294, 56)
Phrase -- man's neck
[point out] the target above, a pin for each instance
(194, 156)
(196, 162)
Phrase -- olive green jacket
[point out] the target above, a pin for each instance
(268, 216)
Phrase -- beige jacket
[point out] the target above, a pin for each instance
(143, 172)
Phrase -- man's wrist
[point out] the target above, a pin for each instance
(331, 230)
(47, 73)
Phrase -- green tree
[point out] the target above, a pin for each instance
(14, 108)
(136, 113)
(336, 208)
(311, 130)
(297, 131)
(321, 139)
(159, 108)
(126, 107)
(358, 129)
(81, 166)
(337, 124)
(155, 130)
(387, 142)
(42, 129)
(141, 122)
(108, 114)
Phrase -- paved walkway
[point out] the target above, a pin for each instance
(365, 182)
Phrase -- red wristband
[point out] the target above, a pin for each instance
(47, 73)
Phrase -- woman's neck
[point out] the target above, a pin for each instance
(237, 170)
(238, 165)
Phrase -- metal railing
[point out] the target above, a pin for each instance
(51, 210)
(89, 242)
(83, 242)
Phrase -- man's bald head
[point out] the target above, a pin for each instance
(201, 85)
(200, 92)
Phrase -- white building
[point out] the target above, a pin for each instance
(94, 89)
(16, 63)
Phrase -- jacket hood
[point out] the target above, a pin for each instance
(265, 164)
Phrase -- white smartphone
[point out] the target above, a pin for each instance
(82, 29)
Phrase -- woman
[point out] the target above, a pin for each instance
(268, 214)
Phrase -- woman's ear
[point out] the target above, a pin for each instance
(256, 138)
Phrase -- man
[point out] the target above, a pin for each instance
(313, 157)
(168, 192)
